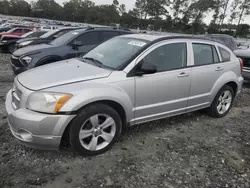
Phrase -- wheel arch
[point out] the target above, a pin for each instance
(229, 78)
(113, 104)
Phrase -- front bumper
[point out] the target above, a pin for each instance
(36, 130)
(246, 73)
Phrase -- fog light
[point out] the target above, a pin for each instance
(25, 135)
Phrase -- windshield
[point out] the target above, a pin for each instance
(48, 34)
(115, 52)
(10, 31)
(63, 39)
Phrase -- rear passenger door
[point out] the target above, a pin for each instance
(206, 70)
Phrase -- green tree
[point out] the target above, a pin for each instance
(47, 9)
(4, 7)
(19, 8)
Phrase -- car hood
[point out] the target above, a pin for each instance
(242, 52)
(11, 36)
(60, 73)
(31, 49)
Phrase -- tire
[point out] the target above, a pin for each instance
(214, 108)
(11, 48)
(102, 138)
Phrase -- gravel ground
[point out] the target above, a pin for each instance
(191, 150)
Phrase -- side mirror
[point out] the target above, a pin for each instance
(146, 68)
(78, 43)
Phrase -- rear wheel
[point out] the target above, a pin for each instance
(223, 102)
(95, 129)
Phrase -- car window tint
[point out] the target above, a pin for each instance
(89, 38)
(18, 31)
(225, 55)
(168, 57)
(216, 57)
(26, 30)
(61, 33)
(106, 35)
(203, 54)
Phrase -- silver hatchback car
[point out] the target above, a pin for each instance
(125, 81)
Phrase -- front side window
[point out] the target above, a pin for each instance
(116, 52)
(203, 54)
(89, 38)
(225, 55)
(106, 35)
(168, 57)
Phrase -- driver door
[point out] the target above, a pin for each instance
(164, 93)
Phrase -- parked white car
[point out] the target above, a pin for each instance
(127, 80)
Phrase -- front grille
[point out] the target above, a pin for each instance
(16, 97)
(16, 62)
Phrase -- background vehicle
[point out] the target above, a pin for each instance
(46, 38)
(8, 42)
(127, 80)
(70, 45)
(228, 40)
(16, 31)
(244, 55)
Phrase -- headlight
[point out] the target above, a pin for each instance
(26, 59)
(25, 43)
(4, 41)
(47, 102)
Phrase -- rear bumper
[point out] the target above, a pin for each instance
(246, 73)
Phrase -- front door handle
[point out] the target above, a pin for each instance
(219, 69)
(183, 74)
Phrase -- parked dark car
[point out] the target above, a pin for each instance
(70, 45)
(46, 38)
(8, 42)
(244, 55)
(228, 40)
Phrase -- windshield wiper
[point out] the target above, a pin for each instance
(97, 62)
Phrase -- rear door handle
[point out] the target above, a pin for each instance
(183, 74)
(219, 69)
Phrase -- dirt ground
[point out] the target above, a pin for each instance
(187, 151)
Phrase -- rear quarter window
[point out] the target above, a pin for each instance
(225, 55)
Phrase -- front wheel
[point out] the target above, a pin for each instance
(95, 129)
(222, 103)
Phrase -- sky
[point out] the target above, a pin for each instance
(130, 4)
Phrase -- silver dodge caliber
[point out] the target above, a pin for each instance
(127, 80)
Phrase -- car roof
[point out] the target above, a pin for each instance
(166, 36)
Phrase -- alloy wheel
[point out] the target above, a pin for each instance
(97, 132)
(224, 102)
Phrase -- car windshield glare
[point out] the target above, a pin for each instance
(115, 52)
(63, 39)
(48, 34)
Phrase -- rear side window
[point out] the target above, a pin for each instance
(203, 54)
(106, 35)
(225, 55)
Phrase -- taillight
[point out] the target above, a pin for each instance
(241, 65)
